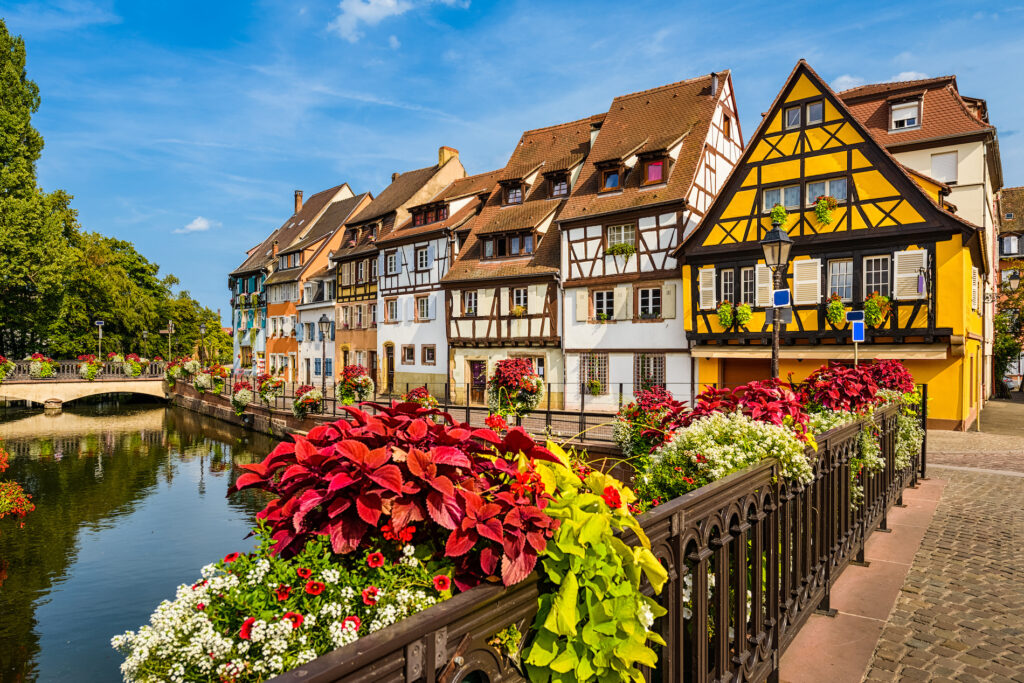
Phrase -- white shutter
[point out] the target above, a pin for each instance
(431, 306)
(380, 264)
(410, 308)
(485, 299)
(944, 167)
(430, 255)
(806, 281)
(763, 282)
(399, 260)
(707, 288)
(398, 309)
(974, 289)
(582, 306)
(668, 300)
(623, 294)
(907, 266)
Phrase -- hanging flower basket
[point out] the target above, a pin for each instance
(354, 385)
(743, 313)
(514, 388)
(624, 249)
(726, 314)
(778, 214)
(876, 309)
(241, 396)
(835, 310)
(824, 205)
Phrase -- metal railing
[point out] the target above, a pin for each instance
(68, 370)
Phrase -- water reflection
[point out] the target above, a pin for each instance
(130, 502)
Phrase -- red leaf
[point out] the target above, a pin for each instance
(356, 451)
(389, 476)
(419, 464)
(446, 455)
(459, 543)
(248, 479)
(443, 509)
(515, 569)
(345, 535)
(491, 529)
(293, 471)
(417, 429)
(368, 505)
(402, 514)
(340, 481)
(489, 560)
(304, 450)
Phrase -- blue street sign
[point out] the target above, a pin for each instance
(99, 323)
(780, 298)
(857, 327)
(854, 316)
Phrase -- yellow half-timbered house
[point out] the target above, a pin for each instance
(890, 233)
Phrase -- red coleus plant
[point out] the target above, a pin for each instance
(371, 477)
(514, 374)
(891, 374)
(838, 387)
(241, 385)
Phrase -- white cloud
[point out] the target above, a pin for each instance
(846, 81)
(908, 76)
(59, 15)
(369, 12)
(394, 42)
(200, 224)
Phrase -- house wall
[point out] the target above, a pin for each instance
(553, 369)
(620, 388)
(312, 348)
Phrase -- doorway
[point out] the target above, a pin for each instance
(373, 366)
(389, 362)
(477, 381)
(308, 381)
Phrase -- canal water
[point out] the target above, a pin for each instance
(130, 502)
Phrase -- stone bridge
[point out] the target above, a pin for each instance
(65, 384)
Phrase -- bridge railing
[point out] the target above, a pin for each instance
(69, 370)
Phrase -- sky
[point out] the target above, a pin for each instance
(185, 127)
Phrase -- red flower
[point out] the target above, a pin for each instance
(611, 497)
(246, 631)
(442, 582)
(315, 588)
(375, 560)
(355, 621)
(370, 596)
(283, 592)
(304, 573)
(200, 607)
(496, 422)
(232, 557)
(295, 618)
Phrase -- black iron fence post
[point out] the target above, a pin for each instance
(924, 426)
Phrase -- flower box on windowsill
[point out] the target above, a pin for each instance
(650, 316)
(603, 318)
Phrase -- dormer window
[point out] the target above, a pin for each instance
(514, 194)
(559, 185)
(905, 115)
(791, 117)
(611, 179)
(1009, 215)
(654, 171)
(508, 245)
(428, 216)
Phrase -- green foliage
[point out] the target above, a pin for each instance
(743, 314)
(876, 309)
(621, 249)
(835, 310)
(726, 314)
(778, 214)
(1006, 347)
(823, 208)
(593, 623)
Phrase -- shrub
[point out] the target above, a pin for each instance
(307, 399)
(6, 367)
(356, 480)
(876, 309)
(837, 387)
(241, 396)
(354, 385)
(40, 366)
(421, 397)
(514, 388)
(89, 367)
(835, 310)
(133, 365)
(743, 313)
(726, 314)
(909, 433)
(891, 374)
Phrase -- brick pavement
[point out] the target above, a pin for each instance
(960, 613)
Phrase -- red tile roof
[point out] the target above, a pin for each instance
(480, 184)
(1011, 200)
(647, 121)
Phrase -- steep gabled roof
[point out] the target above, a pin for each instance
(1011, 200)
(334, 218)
(647, 122)
(397, 193)
(475, 187)
(289, 231)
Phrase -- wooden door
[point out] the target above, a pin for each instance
(373, 366)
(477, 381)
(389, 361)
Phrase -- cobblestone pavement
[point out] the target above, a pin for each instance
(960, 613)
(999, 446)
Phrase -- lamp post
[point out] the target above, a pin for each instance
(776, 245)
(325, 329)
(202, 343)
(145, 342)
(99, 339)
(170, 333)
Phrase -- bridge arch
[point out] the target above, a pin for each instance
(42, 391)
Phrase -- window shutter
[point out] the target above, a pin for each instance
(806, 281)
(582, 306)
(380, 264)
(668, 300)
(707, 288)
(398, 310)
(430, 255)
(399, 260)
(944, 167)
(906, 269)
(332, 330)
(623, 293)
(298, 333)
(431, 305)
(763, 282)
(974, 289)
(410, 308)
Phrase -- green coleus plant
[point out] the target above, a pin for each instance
(593, 623)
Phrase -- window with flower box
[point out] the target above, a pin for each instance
(519, 299)
(469, 303)
(788, 196)
(361, 271)
(728, 285)
(604, 304)
(359, 317)
(747, 286)
(594, 373)
(373, 314)
(840, 278)
(373, 269)
(877, 275)
(620, 234)
(648, 371)
(833, 187)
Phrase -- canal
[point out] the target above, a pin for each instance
(130, 502)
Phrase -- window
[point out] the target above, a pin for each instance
(727, 127)
(747, 286)
(594, 373)
(840, 278)
(429, 354)
(1010, 244)
(648, 371)
(345, 316)
(604, 304)
(728, 285)
(373, 314)
(519, 298)
(408, 354)
(373, 269)
(391, 263)
(418, 219)
(559, 185)
(422, 258)
(815, 112)
(361, 271)
(609, 180)
(944, 167)
(469, 303)
(654, 171)
(391, 310)
(1009, 215)
(876, 275)
(422, 308)
(513, 244)
(650, 303)
(834, 187)
(905, 115)
(792, 117)
(788, 196)
(359, 317)
(514, 194)
(621, 234)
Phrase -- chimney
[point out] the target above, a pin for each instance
(394, 176)
(446, 153)
(298, 201)
(273, 252)
(714, 83)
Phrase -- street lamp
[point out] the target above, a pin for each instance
(325, 329)
(145, 342)
(1014, 281)
(170, 333)
(99, 338)
(202, 343)
(776, 245)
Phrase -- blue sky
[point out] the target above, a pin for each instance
(186, 126)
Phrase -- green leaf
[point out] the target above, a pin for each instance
(655, 571)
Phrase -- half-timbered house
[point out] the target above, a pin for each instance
(502, 295)
(889, 233)
(367, 334)
(657, 159)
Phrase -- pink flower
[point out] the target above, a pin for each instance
(375, 560)
(370, 596)
(442, 582)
